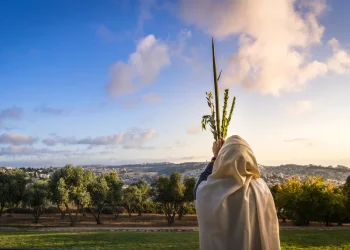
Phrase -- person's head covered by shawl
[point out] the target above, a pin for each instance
(234, 206)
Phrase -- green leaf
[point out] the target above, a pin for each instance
(216, 88)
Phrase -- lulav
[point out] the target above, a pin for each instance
(217, 130)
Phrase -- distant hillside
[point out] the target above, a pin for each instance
(165, 168)
(271, 174)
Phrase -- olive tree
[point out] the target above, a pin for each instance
(170, 193)
(98, 190)
(72, 187)
(36, 197)
(115, 192)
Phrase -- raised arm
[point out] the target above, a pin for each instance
(209, 169)
(204, 176)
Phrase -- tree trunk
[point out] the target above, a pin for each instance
(181, 212)
(73, 220)
(36, 219)
(327, 220)
(63, 215)
(140, 208)
(116, 215)
(11, 210)
(36, 214)
(168, 214)
(83, 211)
(170, 218)
(76, 215)
(129, 210)
(96, 216)
(115, 212)
(62, 212)
(173, 217)
(1, 208)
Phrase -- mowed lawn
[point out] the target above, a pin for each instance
(290, 239)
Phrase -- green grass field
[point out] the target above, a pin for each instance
(291, 239)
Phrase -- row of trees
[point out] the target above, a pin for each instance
(73, 189)
(312, 200)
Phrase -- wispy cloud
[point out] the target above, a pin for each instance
(48, 110)
(105, 33)
(14, 113)
(25, 151)
(300, 108)
(17, 139)
(300, 140)
(143, 67)
(145, 13)
(180, 143)
(179, 44)
(133, 102)
(133, 138)
(274, 43)
(151, 98)
(59, 140)
(193, 130)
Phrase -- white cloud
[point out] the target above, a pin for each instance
(133, 138)
(17, 139)
(339, 62)
(51, 141)
(143, 67)
(14, 113)
(274, 44)
(301, 108)
(22, 151)
(192, 130)
(101, 140)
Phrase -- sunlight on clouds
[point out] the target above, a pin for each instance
(274, 42)
(143, 67)
(340, 61)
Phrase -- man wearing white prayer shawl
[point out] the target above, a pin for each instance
(235, 208)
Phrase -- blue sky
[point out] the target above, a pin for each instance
(113, 82)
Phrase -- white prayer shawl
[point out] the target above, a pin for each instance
(235, 208)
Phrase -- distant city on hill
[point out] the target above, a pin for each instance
(271, 174)
(150, 171)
